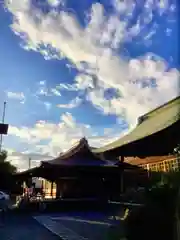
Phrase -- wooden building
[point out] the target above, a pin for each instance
(84, 172)
(79, 173)
(156, 163)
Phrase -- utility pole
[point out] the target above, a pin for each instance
(29, 160)
(3, 118)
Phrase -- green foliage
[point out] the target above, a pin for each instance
(6, 166)
(177, 149)
(157, 213)
(3, 156)
(6, 172)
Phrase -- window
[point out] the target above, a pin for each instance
(167, 166)
(171, 165)
(152, 167)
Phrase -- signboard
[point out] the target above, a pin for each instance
(4, 128)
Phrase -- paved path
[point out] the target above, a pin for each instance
(24, 228)
(58, 228)
(74, 228)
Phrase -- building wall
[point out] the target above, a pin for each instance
(49, 188)
(83, 188)
(80, 187)
(158, 164)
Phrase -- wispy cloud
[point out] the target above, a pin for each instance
(16, 96)
(21, 159)
(42, 89)
(54, 3)
(142, 83)
(56, 92)
(58, 136)
(72, 104)
(97, 46)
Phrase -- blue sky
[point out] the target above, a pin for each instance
(82, 68)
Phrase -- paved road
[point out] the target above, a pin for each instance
(24, 228)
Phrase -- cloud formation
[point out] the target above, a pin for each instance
(141, 83)
(57, 137)
(72, 104)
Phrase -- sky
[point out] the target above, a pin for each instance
(72, 69)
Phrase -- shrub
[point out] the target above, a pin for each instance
(155, 220)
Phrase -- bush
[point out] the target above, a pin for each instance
(156, 219)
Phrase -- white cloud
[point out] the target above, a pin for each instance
(21, 159)
(42, 83)
(54, 3)
(58, 137)
(72, 104)
(58, 142)
(96, 46)
(42, 90)
(56, 92)
(16, 96)
(142, 83)
(66, 86)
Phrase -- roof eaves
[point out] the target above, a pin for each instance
(143, 119)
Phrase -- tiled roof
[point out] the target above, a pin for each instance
(78, 155)
(149, 124)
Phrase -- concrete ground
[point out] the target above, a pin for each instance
(24, 228)
(81, 226)
(55, 226)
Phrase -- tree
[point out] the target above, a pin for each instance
(177, 150)
(6, 166)
(6, 172)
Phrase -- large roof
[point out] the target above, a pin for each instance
(79, 155)
(149, 124)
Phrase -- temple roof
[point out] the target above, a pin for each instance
(79, 155)
(149, 124)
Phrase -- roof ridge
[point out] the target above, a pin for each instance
(73, 149)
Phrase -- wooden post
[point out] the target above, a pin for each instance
(122, 176)
(52, 189)
(45, 187)
(164, 165)
(148, 170)
(58, 190)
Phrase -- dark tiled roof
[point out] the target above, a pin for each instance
(79, 155)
